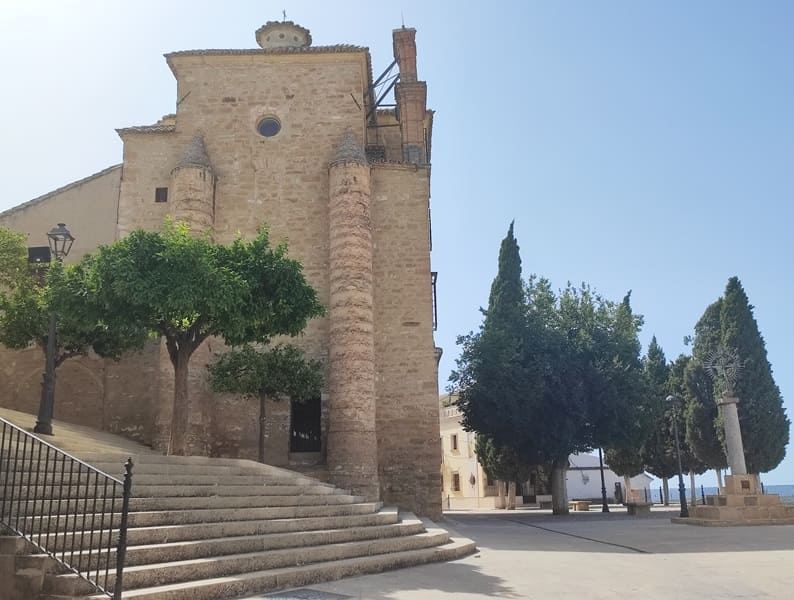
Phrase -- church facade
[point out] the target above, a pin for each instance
(287, 135)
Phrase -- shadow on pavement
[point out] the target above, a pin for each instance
(611, 533)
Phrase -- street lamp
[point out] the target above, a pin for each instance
(60, 241)
(681, 489)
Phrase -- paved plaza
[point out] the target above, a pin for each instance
(530, 554)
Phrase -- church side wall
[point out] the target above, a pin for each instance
(407, 388)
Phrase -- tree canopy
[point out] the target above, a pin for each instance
(548, 375)
(275, 373)
(181, 286)
(730, 323)
(28, 295)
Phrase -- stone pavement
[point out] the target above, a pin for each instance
(529, 554)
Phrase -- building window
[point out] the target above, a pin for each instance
(161, 194)
(456, 482)
(269, 127)
(453, 440)
(489, 480)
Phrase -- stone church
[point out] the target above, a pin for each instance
(296, 137)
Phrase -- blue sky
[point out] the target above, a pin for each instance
(638, 146)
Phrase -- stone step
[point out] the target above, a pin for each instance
(163, 491)
(116, 469)
(195, 549)
(84, 478)
(200, 531)
(181, 491)
(51, 506)
(262, 581)
(220, 566)
(59, 523)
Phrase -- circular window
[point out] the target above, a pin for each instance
(269, 126)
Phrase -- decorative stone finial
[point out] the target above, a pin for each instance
(283, 34)
(195, 155)
(349, 150)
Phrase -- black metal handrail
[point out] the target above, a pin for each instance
(65, 507)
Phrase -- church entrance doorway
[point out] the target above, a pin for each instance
(305, 426)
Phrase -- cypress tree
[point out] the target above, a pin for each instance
(765, 427)
(490, 375)
(658, 452)
(703, 422)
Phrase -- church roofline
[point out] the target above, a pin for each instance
(334, 49)
(146, 129)
(60, 190)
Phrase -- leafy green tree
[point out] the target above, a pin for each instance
(586, 351)
(13, 259)
(28, 296)
(186, 289)
(548, 376)
(279, 373)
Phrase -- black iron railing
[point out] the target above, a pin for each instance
(65, 507)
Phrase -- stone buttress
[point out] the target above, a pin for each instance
(192, 201)
(352, 453)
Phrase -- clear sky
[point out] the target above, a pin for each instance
(644, 146)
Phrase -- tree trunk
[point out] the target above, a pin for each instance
(666, 491)
(262, 429)
(719, 480)
(692, 495)
(500, 494)
(179, 419)
(627, 492)
(511, 495)
(559, 494)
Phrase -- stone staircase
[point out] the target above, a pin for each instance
(209, 528)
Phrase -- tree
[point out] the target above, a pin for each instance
(13, 259)
(548, 376)
(30, 293)
(763, 420)
(504, 464)
(490, 378)
(186, 289)
(625, 462)
(703, 421)
(278, 373)
(659, 450)
(730, 323)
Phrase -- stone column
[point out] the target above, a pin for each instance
(733, 434)
(192, 193)
(352, 449)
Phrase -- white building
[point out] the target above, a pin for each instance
(584, 479)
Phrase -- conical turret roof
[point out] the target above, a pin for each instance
(349, 150)
(195, 155)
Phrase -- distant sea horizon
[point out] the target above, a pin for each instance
(785, 491)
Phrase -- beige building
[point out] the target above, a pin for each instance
(464, 483)
(290, 135)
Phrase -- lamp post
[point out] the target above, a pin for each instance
(60, 241)
(681, 489)
(604, 505)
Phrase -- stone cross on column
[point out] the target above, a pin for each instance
(724, 365)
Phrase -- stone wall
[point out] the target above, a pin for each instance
(407, 379)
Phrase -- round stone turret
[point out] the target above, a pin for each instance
(283, 34)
